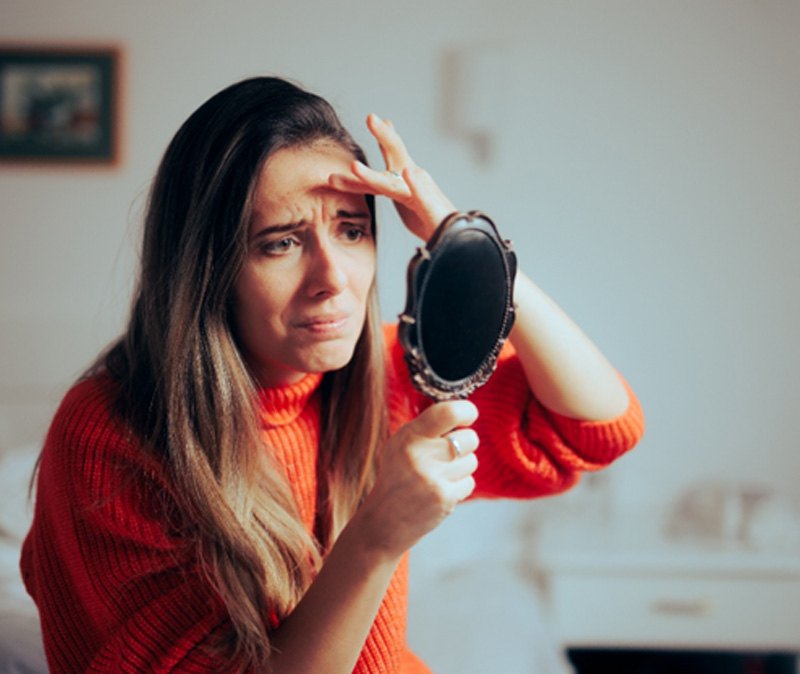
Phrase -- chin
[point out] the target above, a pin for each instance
(332, 360)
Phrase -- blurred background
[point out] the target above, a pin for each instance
(644, 157)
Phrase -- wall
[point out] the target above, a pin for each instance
(648, 155)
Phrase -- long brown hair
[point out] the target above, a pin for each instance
(186, 389)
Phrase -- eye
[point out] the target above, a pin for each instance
(280, 246)
(355, 233)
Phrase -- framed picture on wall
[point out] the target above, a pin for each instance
(59, 104)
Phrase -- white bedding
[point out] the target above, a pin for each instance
(20, 637)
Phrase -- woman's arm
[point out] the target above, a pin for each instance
(565, 370)
(329, 627)
(417, 486)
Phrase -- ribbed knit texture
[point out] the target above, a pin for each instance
(118, 587)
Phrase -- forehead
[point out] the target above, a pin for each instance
(295, 176)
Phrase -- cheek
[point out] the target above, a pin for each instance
(256, 301)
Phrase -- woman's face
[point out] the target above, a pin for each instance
(300, 299)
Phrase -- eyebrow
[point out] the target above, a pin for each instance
(291, 226)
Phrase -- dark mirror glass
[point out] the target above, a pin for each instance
(459, 309)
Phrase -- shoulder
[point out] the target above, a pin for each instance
(94, 465)
(88, 432)
(86, 413)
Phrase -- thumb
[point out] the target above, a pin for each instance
(441, 418)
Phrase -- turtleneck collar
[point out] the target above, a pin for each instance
(281, 405)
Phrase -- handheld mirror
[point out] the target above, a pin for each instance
(459, 306)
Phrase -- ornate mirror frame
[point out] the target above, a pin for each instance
(465, 276)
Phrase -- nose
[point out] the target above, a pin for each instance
(326, 275)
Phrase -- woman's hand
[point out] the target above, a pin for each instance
(421, 478)
(418, 199)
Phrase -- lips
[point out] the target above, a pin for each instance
(324, 323)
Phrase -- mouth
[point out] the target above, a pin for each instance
(330, 324)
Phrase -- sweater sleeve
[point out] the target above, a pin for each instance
(117, 585)
(527, 450)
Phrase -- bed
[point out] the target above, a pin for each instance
(20, 637)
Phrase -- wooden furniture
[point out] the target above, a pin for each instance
(621, 583)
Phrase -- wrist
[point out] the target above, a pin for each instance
(367, 544)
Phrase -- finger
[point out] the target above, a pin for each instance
(463, 463)
(390, 183)
(441, 418)
(365, 180)
(460, 442)
(460, 490)
(424, 190)
(394, 151)
(460, 468)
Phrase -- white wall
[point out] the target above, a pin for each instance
(655, 148)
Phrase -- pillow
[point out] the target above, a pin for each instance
(16, 510)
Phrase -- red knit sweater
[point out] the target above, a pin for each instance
(119, 591)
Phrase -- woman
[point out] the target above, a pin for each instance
(236, 484)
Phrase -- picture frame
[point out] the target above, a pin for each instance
(59, 104)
